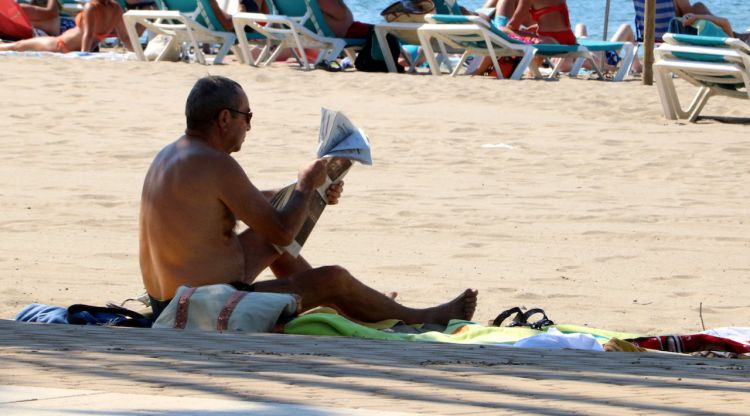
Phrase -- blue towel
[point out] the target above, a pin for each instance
(37, 312)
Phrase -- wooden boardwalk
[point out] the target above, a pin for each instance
(346, 373)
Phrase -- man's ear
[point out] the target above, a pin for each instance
(223, 118)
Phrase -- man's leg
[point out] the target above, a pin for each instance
(333, 286)
(260, 254)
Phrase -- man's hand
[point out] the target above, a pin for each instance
(313, 176)
(333, 193)
(689, 18)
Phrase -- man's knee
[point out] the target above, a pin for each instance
(335, 272)
(336, 278)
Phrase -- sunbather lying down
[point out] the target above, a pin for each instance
(97, 21)
(195, 192)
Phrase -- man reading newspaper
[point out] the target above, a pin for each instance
(341, 143)
(195, 192)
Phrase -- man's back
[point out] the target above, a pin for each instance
(187, 233)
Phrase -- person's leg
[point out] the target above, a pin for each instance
(625, 34)
(334, 287)
(358, 30)
(260, 254)
(581, 31)
(44, 43)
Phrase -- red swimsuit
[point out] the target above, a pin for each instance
(565, 37)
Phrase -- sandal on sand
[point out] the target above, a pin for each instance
(518, 320)
(521, 318)
(538, 324)
(332, 66)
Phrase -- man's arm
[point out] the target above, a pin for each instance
(223, 17)
(250, 205)
(50, 11)
(335, 9)
(270, 193)
(682, 7)
(333, 193)
(520, 15)
(723, 23)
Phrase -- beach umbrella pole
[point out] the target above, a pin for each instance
(648, 42)
(606, 20)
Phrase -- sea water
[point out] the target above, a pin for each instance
(589, 12)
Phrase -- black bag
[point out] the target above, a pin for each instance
(408, 11)
(370, 58)
(108, 316)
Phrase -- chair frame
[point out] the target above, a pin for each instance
(284, 32)
(291, 32)
(181, 27)
(486, 43)
(477, 30)
(728, 64)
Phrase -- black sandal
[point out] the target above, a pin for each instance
(538, 324)
(332, 66)
(518, 320)
(522, 318)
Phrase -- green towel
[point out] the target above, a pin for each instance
(457, 331)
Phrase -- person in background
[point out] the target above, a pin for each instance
(97, 21)
(690, 13)
(341, 20)
(550, 17)
(45, 17)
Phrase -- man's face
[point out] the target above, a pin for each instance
(240, 123)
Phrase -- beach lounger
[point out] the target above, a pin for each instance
(477, 36)
(406, 33)
(474, 36)
(185, 21)
(716, 65)
(296, 25)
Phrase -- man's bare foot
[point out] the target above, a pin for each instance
(462, 307)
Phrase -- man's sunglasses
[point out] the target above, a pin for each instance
(248, 115)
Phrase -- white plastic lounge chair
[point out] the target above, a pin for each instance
(191, 21)
(406, 33)
(477, 36)
(716, 65)
(295, 25)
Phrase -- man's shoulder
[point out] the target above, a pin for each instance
(192, 156)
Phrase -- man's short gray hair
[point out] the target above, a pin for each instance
(209, 96)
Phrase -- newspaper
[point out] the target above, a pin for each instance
(341, 142)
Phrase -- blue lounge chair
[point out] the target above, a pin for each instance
(406, 33)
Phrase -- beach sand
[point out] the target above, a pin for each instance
(574, 196)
